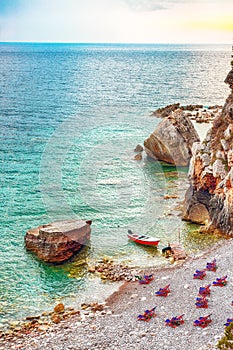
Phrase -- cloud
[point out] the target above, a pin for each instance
(112, 20)
(145, 5)
(155, 5)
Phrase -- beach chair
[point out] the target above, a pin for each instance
(199, 274)
(220, 282)
(211, 266)
(146, 279)
(147, 315)
(174, 321)
(204, 291)
(163, 292)
(202, 321)
(201, 302)
(229, 321)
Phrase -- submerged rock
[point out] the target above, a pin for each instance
(210, 195)
(58, 241)
(172, 140)
(138, 148)
(138, 156)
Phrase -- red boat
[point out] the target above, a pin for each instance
(144, 240)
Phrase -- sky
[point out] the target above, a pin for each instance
(117, 21)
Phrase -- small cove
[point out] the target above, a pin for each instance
(67, 138)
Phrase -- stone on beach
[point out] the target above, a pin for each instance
(59, 308)
(172, 140)
(58, 241)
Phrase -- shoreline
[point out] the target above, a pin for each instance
(111, 300)
(31, 312)
(89, 312)
(122, 307)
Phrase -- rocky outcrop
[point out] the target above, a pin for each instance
(58, 241)
(166, 111)
(211, 174)
(199, 113)
(172, 140)
(229, 78)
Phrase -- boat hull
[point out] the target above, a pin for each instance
(148, 242)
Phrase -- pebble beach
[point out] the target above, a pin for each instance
(114, 325)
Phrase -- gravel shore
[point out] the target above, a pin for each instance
(117, 327)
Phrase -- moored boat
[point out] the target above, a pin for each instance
(143, 239)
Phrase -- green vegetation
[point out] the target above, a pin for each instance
(227, 340)
(194, 240)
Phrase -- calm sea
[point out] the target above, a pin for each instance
(70, 118)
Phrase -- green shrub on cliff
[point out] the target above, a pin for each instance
(227, 340)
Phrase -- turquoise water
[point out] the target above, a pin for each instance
(70, 117)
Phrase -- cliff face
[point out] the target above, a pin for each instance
(209, 198)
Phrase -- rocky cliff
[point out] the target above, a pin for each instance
(58, 241)
(209, 198)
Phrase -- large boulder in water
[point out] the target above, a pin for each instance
(173, 139)
(58, 241)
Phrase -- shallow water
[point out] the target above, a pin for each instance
(70, 118)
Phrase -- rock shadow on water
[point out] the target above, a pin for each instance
(54, 280)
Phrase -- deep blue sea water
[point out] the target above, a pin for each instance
(70, 118)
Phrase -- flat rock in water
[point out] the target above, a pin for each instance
(58, 241)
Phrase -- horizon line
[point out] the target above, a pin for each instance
(113, 43)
